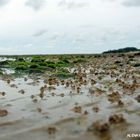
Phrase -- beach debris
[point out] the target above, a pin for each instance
(91, 91)
(51, 130)
(62, 82)
(77, 109)
(3, 93)
(51, 88)
(138, 98)
(3, 112)
(67, 84)
(8, 81)
(116, 119)
(114, 97)
(78, 89)
(99, 127)
(53, 94)
(86, 112)
(96, 109)
(39, 110)
(35, 100)
(42, 89)
(41, 95)
(25, 79)
(93, 82)
(32, 96)
(13, 86)
(21, 91)
(120, 103)
(62, 94)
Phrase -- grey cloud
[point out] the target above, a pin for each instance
(72, 4)
(108, 0)
(40, 33)
(35, 4)
(131, 3)
(3, 2)
(54, 37)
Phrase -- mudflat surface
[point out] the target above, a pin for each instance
(102, 102)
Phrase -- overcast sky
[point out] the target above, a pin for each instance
(68, 26)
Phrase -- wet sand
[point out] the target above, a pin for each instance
(100, 103)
